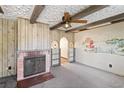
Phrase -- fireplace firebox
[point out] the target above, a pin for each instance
(34, 65)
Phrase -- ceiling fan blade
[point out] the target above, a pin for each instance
(1, 10)
(78, 21)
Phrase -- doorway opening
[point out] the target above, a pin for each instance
(64, 50)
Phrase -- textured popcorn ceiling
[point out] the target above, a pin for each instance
(101, 14)
(14, 11)
(52, 14)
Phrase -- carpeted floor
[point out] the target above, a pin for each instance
(8, 82)
(74, 75)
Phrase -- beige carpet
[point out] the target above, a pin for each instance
(74, 75)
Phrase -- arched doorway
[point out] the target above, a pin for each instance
(64, 50)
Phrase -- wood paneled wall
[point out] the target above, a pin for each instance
(32, 36)
(21, 35)
(7, 47)
(56, 35)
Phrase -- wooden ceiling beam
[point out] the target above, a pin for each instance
(82, 14)
(1, 10)
(36, 12)
(88, 11)
(112, 19)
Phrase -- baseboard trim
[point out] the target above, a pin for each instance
(12, 76)
(98, 69)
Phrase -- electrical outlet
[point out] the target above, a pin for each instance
(110, 65)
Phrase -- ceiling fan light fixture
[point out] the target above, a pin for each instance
(67, 25)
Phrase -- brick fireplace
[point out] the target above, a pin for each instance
(31, 66)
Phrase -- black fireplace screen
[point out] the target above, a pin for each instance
(34, 65)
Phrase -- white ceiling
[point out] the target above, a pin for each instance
(14, 11)
(101, 14)
(52, 14)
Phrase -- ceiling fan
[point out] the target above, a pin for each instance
(67, 20)
(1, 10)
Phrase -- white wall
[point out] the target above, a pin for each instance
(101, 60)
(64, 47)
